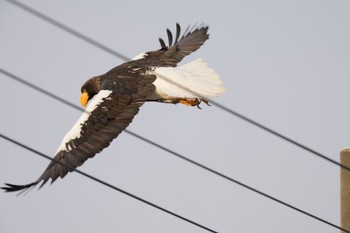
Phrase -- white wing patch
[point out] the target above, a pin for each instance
(140, 56)
(192, 80)
(74, 132)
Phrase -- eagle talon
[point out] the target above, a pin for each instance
(204, 101)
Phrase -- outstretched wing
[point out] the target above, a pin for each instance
(169, 56)
(107, 115)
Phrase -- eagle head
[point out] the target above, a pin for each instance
(90, 88)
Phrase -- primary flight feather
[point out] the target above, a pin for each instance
(114, 98)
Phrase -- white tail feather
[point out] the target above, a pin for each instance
(192, 80)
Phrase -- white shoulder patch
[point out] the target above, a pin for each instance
(74, 132)
(140, 56)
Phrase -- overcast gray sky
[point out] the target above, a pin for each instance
(284, 64)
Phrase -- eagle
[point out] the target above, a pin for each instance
(114, 98)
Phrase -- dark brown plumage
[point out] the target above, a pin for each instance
(119, 94)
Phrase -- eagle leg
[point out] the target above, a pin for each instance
(193, 102)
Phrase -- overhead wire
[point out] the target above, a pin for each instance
(115, 53)
(126, 58)
(68, 29)
(35, 87)
(107, 184)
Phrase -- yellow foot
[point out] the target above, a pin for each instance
(193, 102)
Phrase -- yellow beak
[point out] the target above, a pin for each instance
(84, 97)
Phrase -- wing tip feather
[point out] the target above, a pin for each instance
(16, 188)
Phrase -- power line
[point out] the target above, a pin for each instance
(239, 183)
(105, 48)
(107, 184)
(177, 154)
(125, 58)
(261, 126)
(69, 30)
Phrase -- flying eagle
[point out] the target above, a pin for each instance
(115, 97)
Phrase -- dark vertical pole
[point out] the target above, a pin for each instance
(345, 189)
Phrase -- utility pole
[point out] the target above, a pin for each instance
(345, 189)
